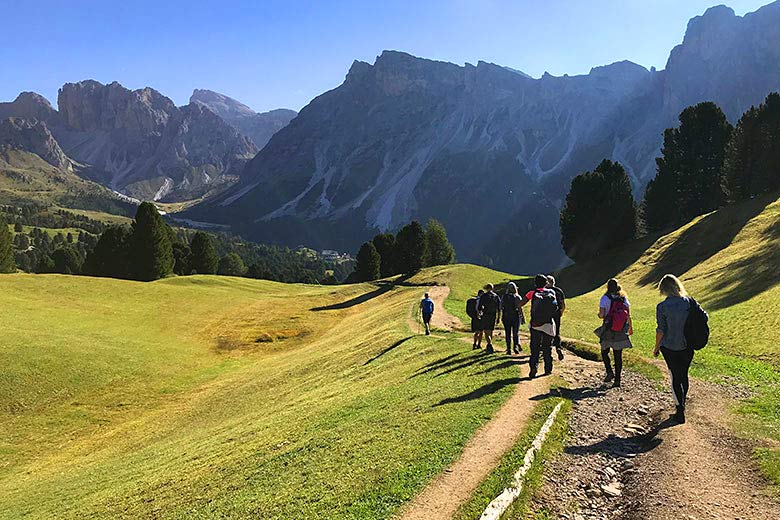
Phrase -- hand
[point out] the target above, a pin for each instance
(631, 331)
(656, 351)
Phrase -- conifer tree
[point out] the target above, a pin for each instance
(204, 259)
(7, 263)
(66, 261)
(151, 249)
(368, 263)
(385, 246)
(231, 265)
(439, 251)
(411, 248)
(110, 256)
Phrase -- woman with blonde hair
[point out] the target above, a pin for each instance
(615, 331)
(512, 318)
(670, 341)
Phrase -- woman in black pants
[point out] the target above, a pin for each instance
(670, 338)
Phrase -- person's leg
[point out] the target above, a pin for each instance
(508, 336)
(547, 342)
(607, 365)
(516, 335)
(427, 322)
(618, 366)
(478, 339)
(533, 362)
(557, 341)
(673, 363)
(686, 357)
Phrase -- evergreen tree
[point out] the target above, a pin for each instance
(600, 212)
(110, 256)
(151, 249)
(18, 228)
(182, 256)
(688, 174)
(440, 251)
(385, 246)
(411, 248)
(66, 261)
(45, 264)
(368, 263)
(7, 262)
(231, 265)
(204, 259)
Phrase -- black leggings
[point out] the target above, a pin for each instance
(678, 362)
(618, 361)
(512, 333)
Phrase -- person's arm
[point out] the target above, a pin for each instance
(661, 329)
(630, 326)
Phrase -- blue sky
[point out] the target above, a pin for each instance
(271, 54)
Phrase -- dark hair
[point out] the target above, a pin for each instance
(480, 292)
(540, 281)
(613, 287)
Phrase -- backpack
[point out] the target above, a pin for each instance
(509, 305)
(544, 307)
(489, 303)
(697, 329)
(427, 306)
(471, 307)
(617, 317)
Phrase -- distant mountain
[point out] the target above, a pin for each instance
(139, 142)
(33, 136)
(487, 150)
(258, 127)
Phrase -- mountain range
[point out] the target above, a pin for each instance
(486, 149)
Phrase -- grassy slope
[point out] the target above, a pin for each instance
(120, 398)
(730, 262)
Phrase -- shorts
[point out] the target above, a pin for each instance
(426, 317)
(476, 325)
(488, 322)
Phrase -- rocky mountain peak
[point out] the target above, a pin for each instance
(30, 105)
(32, 135)
(222, 105)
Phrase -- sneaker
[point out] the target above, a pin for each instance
(508, 352)
(560, 354)
(616, 384)
(517, 349)
(609, 377)
(475, 347)
(427, 333)
(489, 349)
(532, 374)
(548, 372)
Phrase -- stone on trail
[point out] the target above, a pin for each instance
(612, 489)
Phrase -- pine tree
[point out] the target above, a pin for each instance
(204, 259)
(368, 263)
(231, 265)
(18, 228)
(411, 248)
(110, 256)
(151, 250)
(739, 165)
(182, 255)
(7, 262)
(385, 246)
(688, 176)
(66, 260)
(439, 251)
(600, 212)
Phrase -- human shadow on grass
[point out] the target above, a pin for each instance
(388, 349)
(482, 391)
(507, 363)
(383, 286)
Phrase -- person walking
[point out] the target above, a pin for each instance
(670, 341)
(616, 329)
(544, 308)
(560, 297)
(476, 326)
(426, 309)
(511, 317)
(489, 308)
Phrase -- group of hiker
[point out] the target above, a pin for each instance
(681, 327)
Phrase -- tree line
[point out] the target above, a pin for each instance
(705, 163)
(406, 252)
(150, 249)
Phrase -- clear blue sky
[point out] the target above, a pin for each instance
(271, 54)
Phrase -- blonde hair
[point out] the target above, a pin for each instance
(670, 285)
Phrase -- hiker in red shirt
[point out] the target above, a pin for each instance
(544, 309)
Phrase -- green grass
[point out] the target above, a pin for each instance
(52, 232)
(125, 399)
(502, 476)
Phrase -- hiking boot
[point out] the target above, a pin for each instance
(508, 352)
(679, 415)
(517, 349)
(560, 354)
(489, 349)
(427, 333)
(609, 377)
(532, 373)
(616, 384)
(475, 347)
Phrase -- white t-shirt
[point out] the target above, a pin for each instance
(605, 303)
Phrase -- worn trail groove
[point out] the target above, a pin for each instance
(447, 492)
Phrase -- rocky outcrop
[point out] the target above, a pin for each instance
(31, 135)
(258, 127)
(29, 105)
(487, 150)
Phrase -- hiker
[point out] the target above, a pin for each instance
(544, 308)
(616, 329)
(488, 309)
(670, 339)
(560, 297)
(426, 308)
(476, 326)
(512, 317)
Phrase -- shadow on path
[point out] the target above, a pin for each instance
(482, 391)
(388, 349)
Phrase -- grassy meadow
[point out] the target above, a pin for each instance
(215, 396)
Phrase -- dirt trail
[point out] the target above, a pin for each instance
(442, 498)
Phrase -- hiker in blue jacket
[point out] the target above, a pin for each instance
(426, 308)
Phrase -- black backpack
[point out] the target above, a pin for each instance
(489, 303)
(697, 328)
(544, 307)
(509, 305)
(471, 307)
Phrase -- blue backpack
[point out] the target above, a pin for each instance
(427, 306)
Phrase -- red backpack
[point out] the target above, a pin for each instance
(617, 316)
